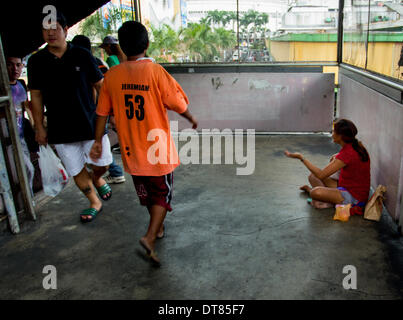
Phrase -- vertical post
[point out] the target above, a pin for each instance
(237, 31)
(139, 10)
(134, 10)
(400, 198)
(340, 32)
(5, 190)
(17, 149)
(367, 40)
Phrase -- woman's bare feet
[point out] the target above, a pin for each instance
(306, 188)
(321, 205)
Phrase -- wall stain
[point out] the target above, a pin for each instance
(217, 83)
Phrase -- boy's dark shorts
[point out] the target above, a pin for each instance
(155, 190)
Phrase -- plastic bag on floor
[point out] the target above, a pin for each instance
(342, 212)
(54, 175)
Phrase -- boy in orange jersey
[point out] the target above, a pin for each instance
(138, 93)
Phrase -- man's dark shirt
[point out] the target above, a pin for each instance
(102, 67)
(66, 85)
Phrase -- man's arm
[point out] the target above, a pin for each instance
(97, 88)
(37, 114)
(190, 118)
(321, 174)
(96, 150)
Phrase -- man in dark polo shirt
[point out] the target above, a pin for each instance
(62, 77)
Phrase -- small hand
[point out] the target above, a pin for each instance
(295, 155)
(194, 123)
(96, 151)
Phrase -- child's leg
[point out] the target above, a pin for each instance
(160, 233)
(157, 217)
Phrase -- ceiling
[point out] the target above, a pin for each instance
(20, 27)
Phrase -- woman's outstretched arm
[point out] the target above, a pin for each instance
(334, 166)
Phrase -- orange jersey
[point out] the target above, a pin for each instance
(138, 94)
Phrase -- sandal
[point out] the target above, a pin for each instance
(103, 192)
(89, 212)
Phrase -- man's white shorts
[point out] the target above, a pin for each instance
(77, 154)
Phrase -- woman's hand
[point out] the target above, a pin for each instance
(295, 155)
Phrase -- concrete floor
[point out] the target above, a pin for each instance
(229, 237)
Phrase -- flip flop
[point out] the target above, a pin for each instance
(89, 212)
(150, 253)
(103, 192)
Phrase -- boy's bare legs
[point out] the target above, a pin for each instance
(160, 233)
(84, 183)
(157, 217)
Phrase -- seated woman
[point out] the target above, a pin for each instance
(354, 165)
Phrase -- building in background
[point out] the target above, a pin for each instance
(160, 12)
(198, 9)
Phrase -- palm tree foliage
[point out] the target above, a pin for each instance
(164, 43)
(209, 40)
(96, 29)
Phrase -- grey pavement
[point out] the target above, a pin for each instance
(228, 237)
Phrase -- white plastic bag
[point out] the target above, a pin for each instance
(54, 175)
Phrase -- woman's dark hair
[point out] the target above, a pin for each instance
(133, 38)
(347, 130)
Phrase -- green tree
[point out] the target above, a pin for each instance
(226, 40)
(164, 42)
(216, 18)
(231, 17)
(94, 28)
(200, 42)
(253, 22)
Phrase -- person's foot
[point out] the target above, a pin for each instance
(101, 183)
(321, 205)
(109, 179)
(305, 188)
(97, 206)
(149, 250)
